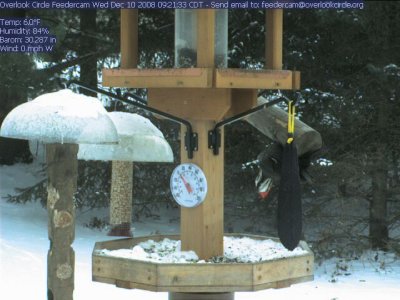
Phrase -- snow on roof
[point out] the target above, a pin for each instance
(61, 117)
(139, 140)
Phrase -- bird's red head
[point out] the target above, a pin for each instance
(264, 186)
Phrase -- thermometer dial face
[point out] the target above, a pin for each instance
(188, 185)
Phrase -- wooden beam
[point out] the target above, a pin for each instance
(205, 38)
(158, 78)
(254, 79)
(273, 38)
(129, 38)
(62, 171)
(202, 78)
(242, 100)
(191, 103)
(296, 85)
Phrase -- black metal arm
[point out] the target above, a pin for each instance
(191, 138)
(214, 135)
(191, 141)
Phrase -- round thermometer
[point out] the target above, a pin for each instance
(188, 185)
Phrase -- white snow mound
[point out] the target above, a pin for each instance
(165, 251)
(238, 250)
(139, 140)
(61, 117)
(248, 250)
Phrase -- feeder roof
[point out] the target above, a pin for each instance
(139, 140)
(61, 117)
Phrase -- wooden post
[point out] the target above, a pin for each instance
(62, 168)
(202, 226)
(122, 177)
(205, 38)
(129, 38)
(273, 38)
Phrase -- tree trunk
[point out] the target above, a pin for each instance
(62, 168)
(382, 35)
(88, 68)
(121, 198)
(395, 168)
(378, 229)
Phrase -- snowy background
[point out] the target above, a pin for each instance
(24, 245)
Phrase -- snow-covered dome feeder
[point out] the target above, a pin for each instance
(138, 140)
(62, 120)
(61, 117)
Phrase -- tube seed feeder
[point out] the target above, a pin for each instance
(203, 91)
(138, 141)
(186, 38)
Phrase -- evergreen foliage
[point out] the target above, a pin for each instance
(350, 65)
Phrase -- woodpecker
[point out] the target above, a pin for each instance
(268, 163)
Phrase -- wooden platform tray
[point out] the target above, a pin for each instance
(198, 277)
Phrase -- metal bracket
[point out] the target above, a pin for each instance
(214, 140)
(214, 135)
(191, 140)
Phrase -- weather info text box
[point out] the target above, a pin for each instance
(180, 4)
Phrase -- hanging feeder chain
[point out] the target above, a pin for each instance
(191, 140)
(214, 135)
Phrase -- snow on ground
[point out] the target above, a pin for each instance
(24, 245)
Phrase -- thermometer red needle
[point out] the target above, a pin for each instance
(187, 185)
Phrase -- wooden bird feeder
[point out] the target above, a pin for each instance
(203, 91)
